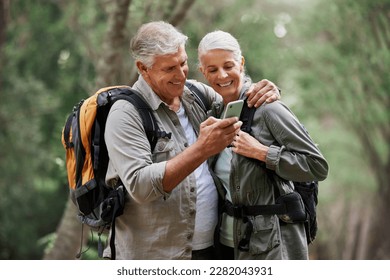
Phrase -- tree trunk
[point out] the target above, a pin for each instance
(110, 67)
(4, 11)
(378, 247)
(68, 236)
(68, 239)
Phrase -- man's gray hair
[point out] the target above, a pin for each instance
(220, 40)
(154, 39)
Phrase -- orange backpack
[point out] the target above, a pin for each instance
(87, 158)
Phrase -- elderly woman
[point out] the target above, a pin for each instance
(259, 167)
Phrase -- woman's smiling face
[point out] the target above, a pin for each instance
(223, 73)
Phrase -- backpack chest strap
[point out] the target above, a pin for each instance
(241, 211)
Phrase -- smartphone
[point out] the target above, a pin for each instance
(233, 109)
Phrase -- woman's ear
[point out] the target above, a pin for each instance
(201, 70)
(242, 63)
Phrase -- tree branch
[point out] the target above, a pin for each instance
(180, 13)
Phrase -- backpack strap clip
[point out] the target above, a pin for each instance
(164, 134)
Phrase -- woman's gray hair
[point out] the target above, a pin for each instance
(220, 40)
(154, 39)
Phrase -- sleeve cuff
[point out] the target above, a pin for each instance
(157, 184)
(273, 157)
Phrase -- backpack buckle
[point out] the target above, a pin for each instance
(238, 211)
(163, 134)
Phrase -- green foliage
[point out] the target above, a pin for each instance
(349, 58)
(342, 64)
(37, 83)
(331, 59)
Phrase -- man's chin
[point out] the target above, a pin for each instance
(177, 89)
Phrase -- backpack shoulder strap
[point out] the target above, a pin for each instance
(246, 117)
(149, 121)
(200, 98)
(66, 132)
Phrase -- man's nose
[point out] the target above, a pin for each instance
(182, 73)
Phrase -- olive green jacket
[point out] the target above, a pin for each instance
(293, 156)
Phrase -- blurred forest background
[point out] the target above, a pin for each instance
(331, 58)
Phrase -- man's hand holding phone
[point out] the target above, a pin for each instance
(217, 134)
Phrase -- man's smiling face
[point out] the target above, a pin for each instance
(168, 74)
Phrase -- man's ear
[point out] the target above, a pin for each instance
(142, 69)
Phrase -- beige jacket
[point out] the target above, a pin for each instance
(155, 224)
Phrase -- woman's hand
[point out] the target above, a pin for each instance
(246, 145)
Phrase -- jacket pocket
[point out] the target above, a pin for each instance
(265, 235)
(164, 150)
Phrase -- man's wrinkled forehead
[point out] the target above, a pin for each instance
(171, 59)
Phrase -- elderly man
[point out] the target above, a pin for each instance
(171, 206)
